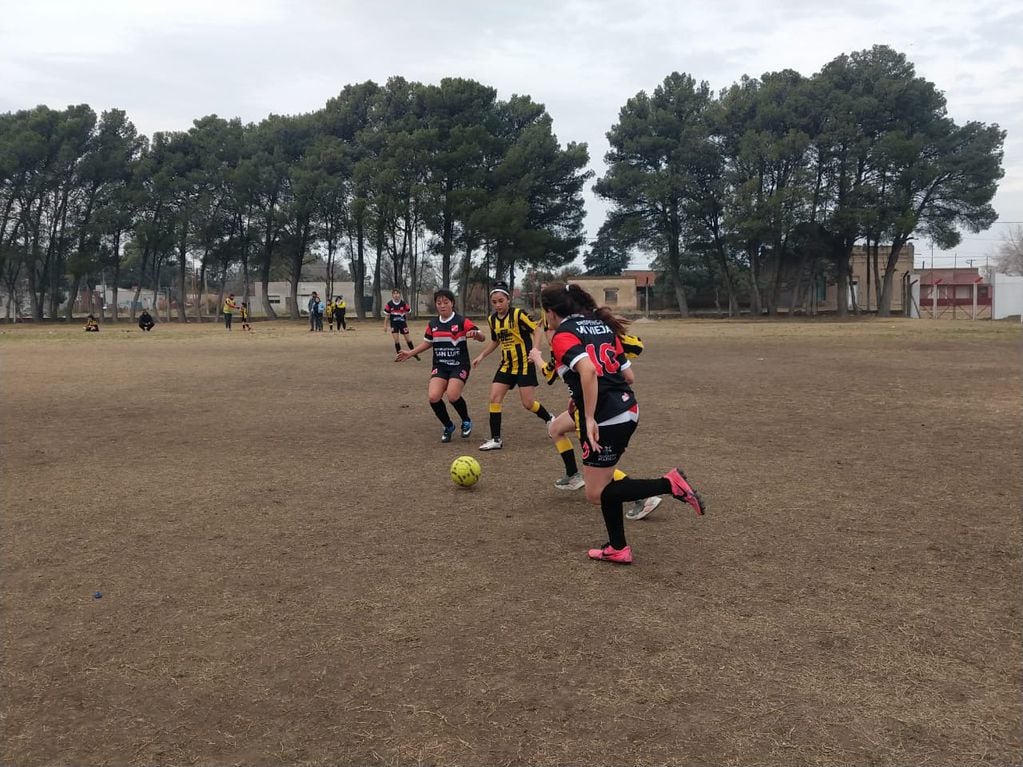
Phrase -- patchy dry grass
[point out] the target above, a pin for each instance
(288, 577)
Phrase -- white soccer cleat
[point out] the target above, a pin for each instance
(570, 482)
(494, 443)
(641, 509)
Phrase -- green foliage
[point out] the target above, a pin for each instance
(772, 182)
(758, 190)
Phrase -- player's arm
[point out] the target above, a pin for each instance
(472, 330)
(537, 334)
(588, 381)
(487, 351)
(404, 354)
(387, 322)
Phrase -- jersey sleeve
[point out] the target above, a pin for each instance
(428, 335)
(526, 322)
(566, 349)
(632, 345)
(492, 322)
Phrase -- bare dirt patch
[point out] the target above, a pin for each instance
(289, 577)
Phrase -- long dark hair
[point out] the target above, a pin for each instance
(566, 299)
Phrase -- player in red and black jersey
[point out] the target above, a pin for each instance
(588, 352)
(396, 312)
(447, 334)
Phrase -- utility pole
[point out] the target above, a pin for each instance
(934, 288)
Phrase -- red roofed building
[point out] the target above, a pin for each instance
(954, 292)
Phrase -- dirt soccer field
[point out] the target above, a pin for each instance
(230, 549)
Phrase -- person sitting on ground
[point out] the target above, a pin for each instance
(146, 321)
(91, 326)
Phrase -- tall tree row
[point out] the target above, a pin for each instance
(404, 185)
(766, 187)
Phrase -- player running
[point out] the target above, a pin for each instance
(447, 334)
(396, 313)
(514, 331)
(567, 422)
(591, 361)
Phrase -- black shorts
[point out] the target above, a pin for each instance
(511, 380)
(614, 438)
(446, 372)
(400, 327)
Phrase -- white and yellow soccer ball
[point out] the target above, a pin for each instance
(465, 471)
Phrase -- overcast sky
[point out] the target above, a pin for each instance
(167, 63)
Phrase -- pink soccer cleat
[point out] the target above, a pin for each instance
(610, 554)
(681, 489)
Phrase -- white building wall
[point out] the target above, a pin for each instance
(279, 294)
(1007, 296)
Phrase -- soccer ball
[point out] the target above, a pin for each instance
(465, 471)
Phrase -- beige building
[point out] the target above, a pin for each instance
(614, 292)
(862, 283)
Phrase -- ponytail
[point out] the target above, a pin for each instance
(617, 324)
(565, 299)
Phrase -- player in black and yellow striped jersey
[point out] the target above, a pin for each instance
(515, 333)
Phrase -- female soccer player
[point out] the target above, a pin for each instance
(447, 334)
(396, 320)
(516, 334)
(566, 423)
(590, 359)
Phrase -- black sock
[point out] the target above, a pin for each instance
(495, 425)
(397, 347)
(630, 489)
(568, 457)
(410, 345)
(461, 408)
(441, 412)
(543, 414)
(614, 521)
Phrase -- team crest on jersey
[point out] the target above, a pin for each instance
(454, 328)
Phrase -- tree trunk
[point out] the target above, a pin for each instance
(117, 273)
(753, 251)
(463, 277)
(884, 301)
(376, 268)
(842, 278)
(447, 234)
(675, 264)
(182, 272)
(359, 268)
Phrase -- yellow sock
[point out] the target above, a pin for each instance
(495, 407)
(563, 445)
